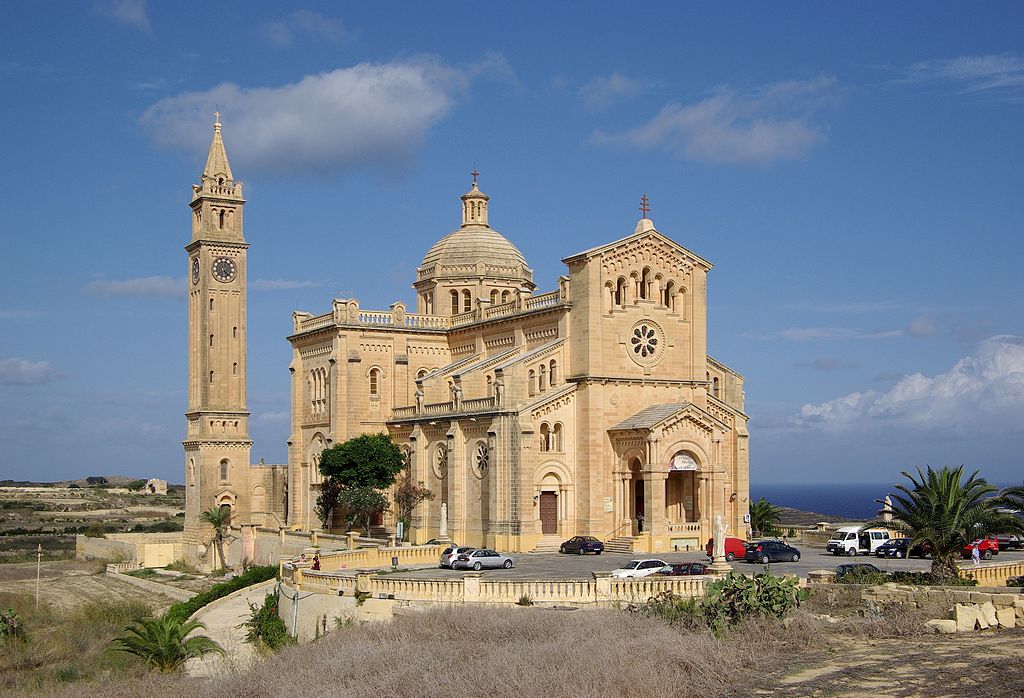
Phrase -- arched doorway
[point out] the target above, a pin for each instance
(636, 496)
(549, 513)
(682, 491)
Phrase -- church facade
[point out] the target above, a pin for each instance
(590, 409)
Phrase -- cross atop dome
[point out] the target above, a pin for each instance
(474, 205)
(645, 223)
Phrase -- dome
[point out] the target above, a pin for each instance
(467, 246)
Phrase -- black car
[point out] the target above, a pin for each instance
(766, 551)
(581, 545)
(894, 547)
(683, 569)
(856, 568)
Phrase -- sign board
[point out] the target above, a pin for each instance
(682, 461)
(746, 518)
(607, 504)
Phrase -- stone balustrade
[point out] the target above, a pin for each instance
(478, 403)
(543, 300)
(439, 407)
(501, 310)
(993, 574)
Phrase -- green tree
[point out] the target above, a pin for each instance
(408, 495)
(1012, 498)
(327, 501)
(361, 504)
(763, 517)
(95, 480)
(369, 460)
(164, 642)
(942, 508)
(219, 519)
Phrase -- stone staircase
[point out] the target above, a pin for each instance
(622, 544)
(548, 544)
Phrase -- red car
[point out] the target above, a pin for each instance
(734, 548)
(987, 547)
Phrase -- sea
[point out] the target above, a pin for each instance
(837, 500)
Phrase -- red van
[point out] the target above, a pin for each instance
(734, 548)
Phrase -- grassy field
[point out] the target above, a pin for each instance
(545, 652)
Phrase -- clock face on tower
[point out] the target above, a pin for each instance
(223, 269)
(195, 270)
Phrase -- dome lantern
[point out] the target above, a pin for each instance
(474, 205)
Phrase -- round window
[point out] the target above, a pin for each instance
(646, 343)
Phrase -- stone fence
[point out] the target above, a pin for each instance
(987, 574)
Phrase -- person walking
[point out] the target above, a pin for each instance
(975, 554)
(640, 522)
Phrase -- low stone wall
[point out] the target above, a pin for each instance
(993, 574)
(151, 586)
(88, 548)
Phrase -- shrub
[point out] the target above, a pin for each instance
(265, 628)
(737, 597)
(95, 531)
(1015, 582)
(929, 579)
(863, 575)
(164, 643)
(254, 575)
(525, 600)
(674, 610)
(11, 626)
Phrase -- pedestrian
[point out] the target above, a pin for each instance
(316, 562)
(975, 554)
(640, 522)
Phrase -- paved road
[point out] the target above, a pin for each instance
(556, 566)
(222, 623)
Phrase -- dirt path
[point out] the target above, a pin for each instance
(989, 664)
(222, 623)
(68, 585)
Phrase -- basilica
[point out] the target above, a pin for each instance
(588, 409)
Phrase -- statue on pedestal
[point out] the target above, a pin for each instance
(719, 565)
(443, 526)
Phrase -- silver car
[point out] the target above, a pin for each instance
(449, 554)
(482, 559)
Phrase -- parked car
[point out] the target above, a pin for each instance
(449, 554)
(987, 547)
(856, 540)
(734, 548)
(482, 558)
(894, 547)
(856, 567)
(581, 545)
(922, 550)
(766, 551)
(1009, 541)
(683, 569)
(638, 568)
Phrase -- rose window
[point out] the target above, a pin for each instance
(644, 340)
(480, 460)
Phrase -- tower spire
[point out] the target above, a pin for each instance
(217, 166)
(474, 204)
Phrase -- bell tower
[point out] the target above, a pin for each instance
(217, 443)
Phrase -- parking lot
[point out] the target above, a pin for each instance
(557, 566)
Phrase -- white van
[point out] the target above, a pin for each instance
(856, 540)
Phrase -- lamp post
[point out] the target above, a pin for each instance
(39, 562)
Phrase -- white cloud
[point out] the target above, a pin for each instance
(17, 371)
(149, 286)
(827, 363)
(281, 284)
(982, 393)
(305, 23)
(992, 73)
(827, 334)
(760, 127)
(924, 326)
(602, 91)
(370, 114)
(131, 13)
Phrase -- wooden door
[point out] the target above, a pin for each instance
(548, 513)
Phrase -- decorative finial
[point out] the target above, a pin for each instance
(645, 205)
(216, 119)
(475, 175)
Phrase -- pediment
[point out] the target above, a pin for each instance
(669, 418)
(649, 247)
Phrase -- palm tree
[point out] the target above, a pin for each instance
(164, 642)
(763, 516)
(1013, 498)
(948, 512)
(219, 518)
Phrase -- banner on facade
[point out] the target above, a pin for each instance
(682, 461)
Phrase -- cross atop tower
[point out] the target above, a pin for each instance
(645, 205)
(216, 118)
(475, 175)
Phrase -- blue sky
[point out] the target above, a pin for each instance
(854, 173)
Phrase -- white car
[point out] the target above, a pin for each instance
(638, 568)
(452, 552)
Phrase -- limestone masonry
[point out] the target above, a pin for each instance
(590, 409)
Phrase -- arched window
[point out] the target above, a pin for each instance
(222, 219)
(667, 298)
(211, 302)
(556, 438)
(620, 292)
(533, 382)
(467, 300)
(224, 469)
(234, 369)
(551, 376)
(234, 333)
(455, 302)
(645, 284)
(374, 382)
(211, 340)
(542, 381)
(494, 296)
(545, 437)
(211, 376)
(504, 296)
(421, 373)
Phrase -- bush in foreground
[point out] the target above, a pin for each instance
(253, 575)
(163, 643)
(265, 629)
